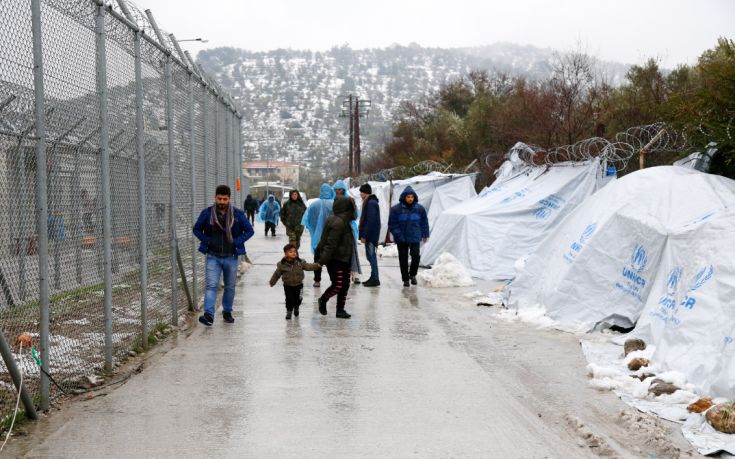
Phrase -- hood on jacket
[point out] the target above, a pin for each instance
(340, 185)
(249, 197)
(344, 207)
(326, 192)
(408, 190)
(271, 198)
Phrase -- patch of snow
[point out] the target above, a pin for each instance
(388, 251)
(447, 271)
(533, 316)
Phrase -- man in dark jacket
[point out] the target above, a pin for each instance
(335, 251)
(410, 226)
(250, 206)
(291, 215)
(370, 231)
(222, 230)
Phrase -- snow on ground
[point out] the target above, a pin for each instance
(447, 271)
(388, 251)
(608, 370)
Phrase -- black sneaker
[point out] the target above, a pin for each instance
(413, 280)
(296, 311)
(356, 281)
(288, 315)
(227, 316)
(342, 314)
(371, 283)
(206, 319)
(322, 307)
(405, 283)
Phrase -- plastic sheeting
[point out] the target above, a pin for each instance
(450, 194)
(382, 191)
(690, 313)
(509, 220)
(598, 268)
(425, 186)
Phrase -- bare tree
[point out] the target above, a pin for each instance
(577, 90)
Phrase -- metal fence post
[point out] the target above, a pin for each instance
(41, 197)
(105, 185)
(194, 273)
(238, 139)
(217, 142)
(205, 151)
(140, 150)
(172, 189)
(238, 156)
(228, 151)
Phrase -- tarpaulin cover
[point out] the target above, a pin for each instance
(600, 265)
(508, 220)
(450, 194)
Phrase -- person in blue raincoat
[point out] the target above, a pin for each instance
(340, 189)
(314, 220)
(269, 212)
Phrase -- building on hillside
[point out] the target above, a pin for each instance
(281, 171)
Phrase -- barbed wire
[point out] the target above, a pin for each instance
(402, 172)
(650, 138)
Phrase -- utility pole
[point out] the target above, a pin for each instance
(356, 138)
(351, 109)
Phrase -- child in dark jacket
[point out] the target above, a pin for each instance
(291, 269)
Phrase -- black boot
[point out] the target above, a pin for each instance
(296, 311)
(322, 306)
(288, 315)
(342, 314)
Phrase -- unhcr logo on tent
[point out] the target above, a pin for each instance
(576, 247)
(548, 206)
(668, 301)
(634, 283)
(673, 282)
(517, 195)
(639, 259)
(702, 277)
(587, 233)
(698, 281)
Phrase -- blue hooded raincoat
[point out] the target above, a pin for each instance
(270, 210)
(315, 217)
(340, 185)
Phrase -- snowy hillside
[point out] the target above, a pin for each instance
(292, 100)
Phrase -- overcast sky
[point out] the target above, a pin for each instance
(629, 31)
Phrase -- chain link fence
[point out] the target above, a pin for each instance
(111, 142)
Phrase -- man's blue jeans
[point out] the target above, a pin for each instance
(216, 267)
(372, 258)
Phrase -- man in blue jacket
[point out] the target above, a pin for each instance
(410, 226)
(370, 231)
(222, 229)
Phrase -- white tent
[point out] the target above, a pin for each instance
(382, 191)
(689, 315)
(510, 219)
(449, 194)
(425, 186)
(597, 269)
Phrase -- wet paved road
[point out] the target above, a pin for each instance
(414, 373)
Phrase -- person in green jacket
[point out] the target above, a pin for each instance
(291, 215)
(335, 251)
(291, 270)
